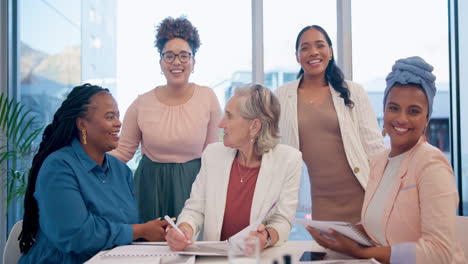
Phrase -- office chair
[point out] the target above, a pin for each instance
(11, 253)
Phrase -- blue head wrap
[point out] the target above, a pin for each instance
(412, 70)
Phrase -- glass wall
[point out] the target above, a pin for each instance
(49, 51)
(461, 54)
(391, 32)
(224, 58)
(60, 44)
(281, 26)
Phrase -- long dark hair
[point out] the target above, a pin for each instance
(56, 135)
(333, 73)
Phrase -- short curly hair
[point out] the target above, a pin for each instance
(181, 27)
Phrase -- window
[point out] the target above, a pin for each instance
(224, 57)
(60, 45)
(281, 26)
(459, 95)
(391, 32)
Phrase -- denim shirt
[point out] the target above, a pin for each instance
(83, 207)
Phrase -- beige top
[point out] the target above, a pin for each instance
(336, 193)
(170, 134)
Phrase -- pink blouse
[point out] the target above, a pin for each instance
(170, 134)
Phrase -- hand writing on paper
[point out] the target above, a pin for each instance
(176, 241)
(262, 235)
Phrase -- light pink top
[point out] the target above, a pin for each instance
(170, 134)
(419, 214)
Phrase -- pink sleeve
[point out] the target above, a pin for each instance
(130, 135)
(212, 134)
(438, 202)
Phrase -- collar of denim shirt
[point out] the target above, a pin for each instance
(86, 160)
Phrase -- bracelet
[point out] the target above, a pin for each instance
(268, 240)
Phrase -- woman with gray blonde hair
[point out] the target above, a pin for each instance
(256, 102)
(241, 178)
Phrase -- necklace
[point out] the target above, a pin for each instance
(243, 177)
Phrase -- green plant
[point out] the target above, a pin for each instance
(17, 127)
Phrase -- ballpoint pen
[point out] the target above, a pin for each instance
(169, 220)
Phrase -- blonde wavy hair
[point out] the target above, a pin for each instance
(258, 102)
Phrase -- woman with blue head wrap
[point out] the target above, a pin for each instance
(411, 200)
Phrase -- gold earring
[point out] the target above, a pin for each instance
(384, 132)
(83, 132)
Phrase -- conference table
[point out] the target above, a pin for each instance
(293, 248)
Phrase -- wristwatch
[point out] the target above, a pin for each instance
(268, 240)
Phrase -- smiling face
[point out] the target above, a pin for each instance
(176, 72)
(101, 123)
(405, 117)
(313, 53)
(237, 130)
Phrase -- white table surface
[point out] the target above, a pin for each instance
(293, 248)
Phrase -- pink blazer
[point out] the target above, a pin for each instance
(422, 207)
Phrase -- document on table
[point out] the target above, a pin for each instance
(199, 248)
(346, 261)
(140, 250)
(206, 248)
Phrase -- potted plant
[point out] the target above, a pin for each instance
(17, 128)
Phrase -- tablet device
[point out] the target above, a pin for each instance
(312, 256)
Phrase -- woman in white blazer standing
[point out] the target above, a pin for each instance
(241, 178)
(332, 122)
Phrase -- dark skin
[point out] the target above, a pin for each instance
(102, 125)
(405, 119)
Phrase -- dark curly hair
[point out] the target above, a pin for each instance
(333, 73)
(177, 28)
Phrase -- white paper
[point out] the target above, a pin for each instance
(206, 248)
(148, 250)
(178, 260)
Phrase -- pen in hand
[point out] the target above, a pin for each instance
(169, 220)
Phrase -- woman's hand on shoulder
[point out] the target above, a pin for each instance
(175, 240)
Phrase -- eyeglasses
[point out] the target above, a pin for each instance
(170, 56)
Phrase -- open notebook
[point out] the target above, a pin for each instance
(199, 248)
(343, 228)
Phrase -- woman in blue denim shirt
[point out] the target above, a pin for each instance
(79, 199)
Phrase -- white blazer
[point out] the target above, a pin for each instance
(358, 125)
(278, 179)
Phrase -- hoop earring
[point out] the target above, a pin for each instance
(83, 132)
(193, 70)
(162, 73)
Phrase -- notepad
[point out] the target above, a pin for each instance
(344, 228)
(149, 250)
